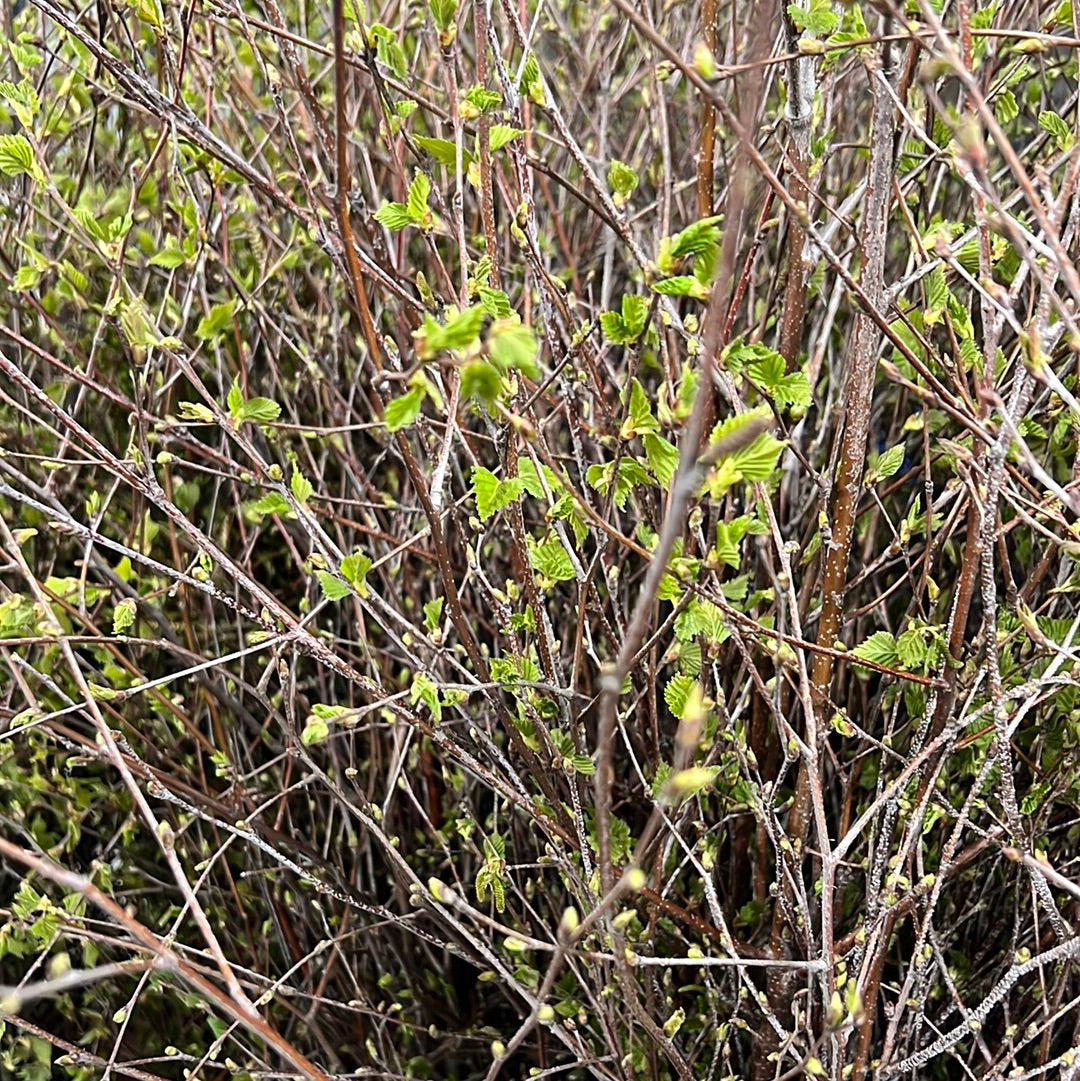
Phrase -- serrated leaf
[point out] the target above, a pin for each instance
(493, 494)
(394, 216)
(735, 589)
(443, 151)
(757, 461)
(481, 382)
(640, 418)
(513, 347)
(234, 400)
(354, 569)
(195, 411)
(625, 326)
(432, 614)
(482, 99)
(17, 158)
(404, 410)
(169, 257)
(27, 277)
(702, 236)
(676, 693)
(271, 503)
(301, 487)
(936, 295)
(416, 205)
(530, 73)
(701, 618)
(793, 393)
(663, 458)
(332, 588)
(1051, 123)
(260, 410)
(214, 324)
(23, 99)
(681, 285)
(738, 430)
(497, 304)
(699, 237)
(886, 464)
(315, 730)
(1006, 109)
(527, 473)
(622, 181)
(124, 615)
(612, 327)
(880, 648)
(499, 135)
(766, 368)
(549, 559)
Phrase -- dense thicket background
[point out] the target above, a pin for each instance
(539, 536)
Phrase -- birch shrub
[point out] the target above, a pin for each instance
(538, 539)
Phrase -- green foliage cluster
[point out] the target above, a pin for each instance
(617, 618)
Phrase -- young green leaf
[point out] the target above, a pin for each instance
(1053, 125)
(354, 569)
(260, 410)
(526, 470)
(482, 100)
(885, 464)
(481, 382)
(333, 589)
(301, 487)
(702, 236)
(404, 410)
(170, 257)
(501, 134)
(549, 559)
(622, 181)
(513, 346)
(394, 216)
(443, 151)
(17, 158)
(663, 458)
(213, 325)
(639, 418)
(681, 285)
(234, 401)
(315, 730)
(23, 99)
(629, 474)
(433, 614)
(442, 13)
(493, 494)
(880, 648)
(124, 616)
(271, 503)
(423, 690)
(757, 461)
(459, 332)
(676, 693)
(416, 206)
